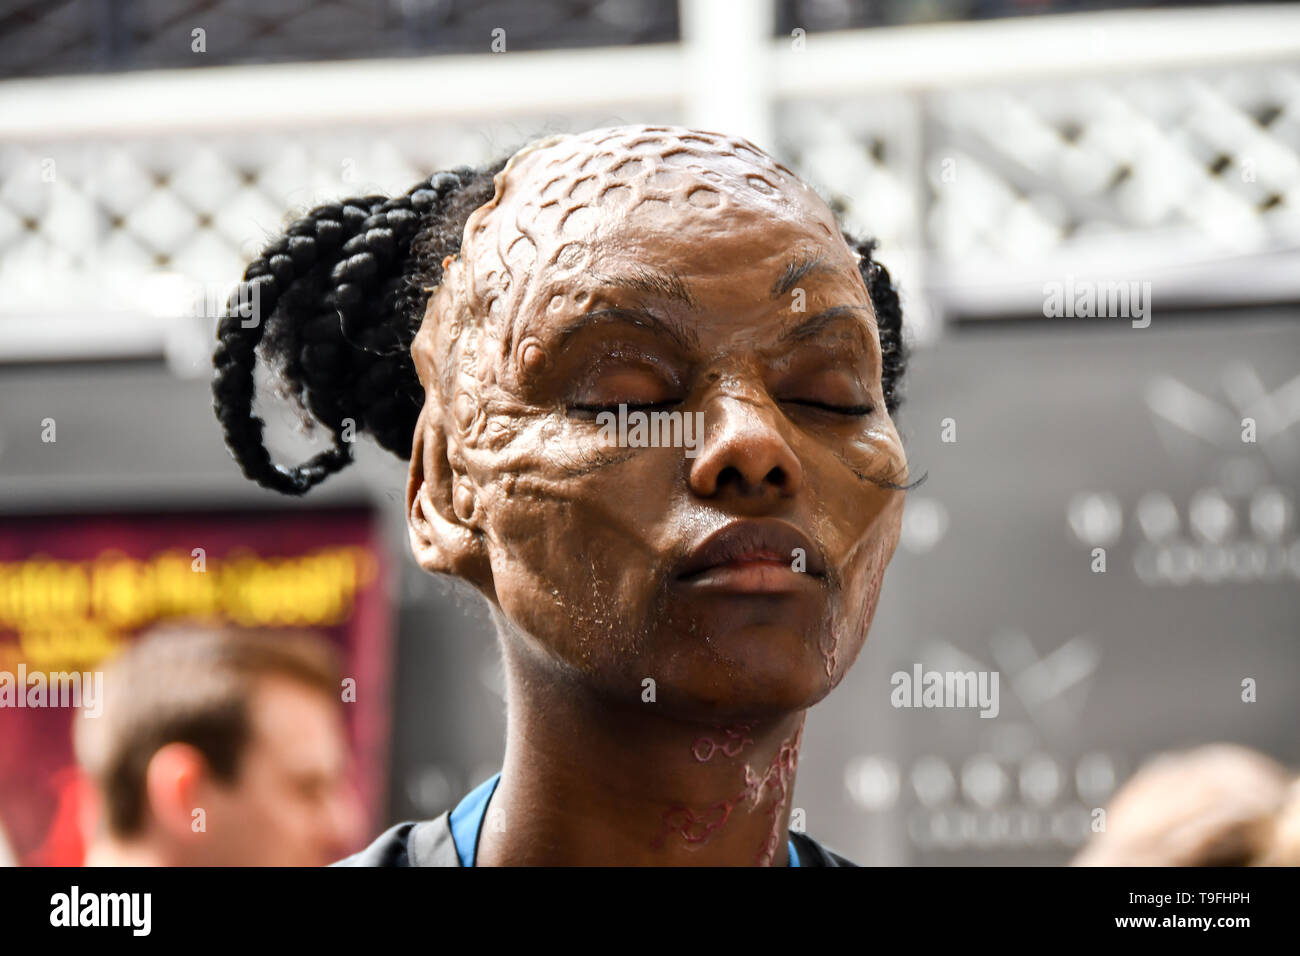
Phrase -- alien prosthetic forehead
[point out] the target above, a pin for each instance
(566, 206)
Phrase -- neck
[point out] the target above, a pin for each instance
(588, 783)
(109, 851)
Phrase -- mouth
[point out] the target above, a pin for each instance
(754, 556)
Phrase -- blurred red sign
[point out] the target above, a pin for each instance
(75, 588)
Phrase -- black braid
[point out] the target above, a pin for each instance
(889, 321)
(335, 303)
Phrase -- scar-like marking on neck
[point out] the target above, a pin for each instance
(705, 747)
(772, 783)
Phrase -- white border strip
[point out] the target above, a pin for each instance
(355, 92)
(938, 56)
(488, 85)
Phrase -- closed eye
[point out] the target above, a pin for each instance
(847, 410)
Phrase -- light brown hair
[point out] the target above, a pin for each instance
(188, 684)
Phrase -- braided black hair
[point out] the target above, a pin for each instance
(336, 301)
(889, 320)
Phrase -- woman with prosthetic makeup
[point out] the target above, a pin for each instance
(667, 610)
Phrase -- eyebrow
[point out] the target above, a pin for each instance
(816, 324)
(666, 285)
(795, 271)
(683, 336)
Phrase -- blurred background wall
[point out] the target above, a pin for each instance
(148, 149)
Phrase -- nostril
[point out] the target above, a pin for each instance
(730, 475)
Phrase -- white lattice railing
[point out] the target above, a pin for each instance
(986, 156)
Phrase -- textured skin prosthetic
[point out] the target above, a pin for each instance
(559, 202)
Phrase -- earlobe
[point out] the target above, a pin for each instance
(439, 509)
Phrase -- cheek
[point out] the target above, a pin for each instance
(864, 575)
(852, 513)
(859, 524)
(574, 532)
(866, 570)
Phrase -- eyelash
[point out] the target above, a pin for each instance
(856, 411)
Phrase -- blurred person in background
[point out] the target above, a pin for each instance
(1282, 845)
(218, 747)
(1216, 805)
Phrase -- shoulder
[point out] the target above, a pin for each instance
(390, 848)
(812, 853)
(413, 843)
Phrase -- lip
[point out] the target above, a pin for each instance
(752, 556)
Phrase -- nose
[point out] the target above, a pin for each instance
(744, 454)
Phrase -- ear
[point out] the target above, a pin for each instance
(443, 541)
(174, 780)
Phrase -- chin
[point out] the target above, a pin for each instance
(746, 672)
